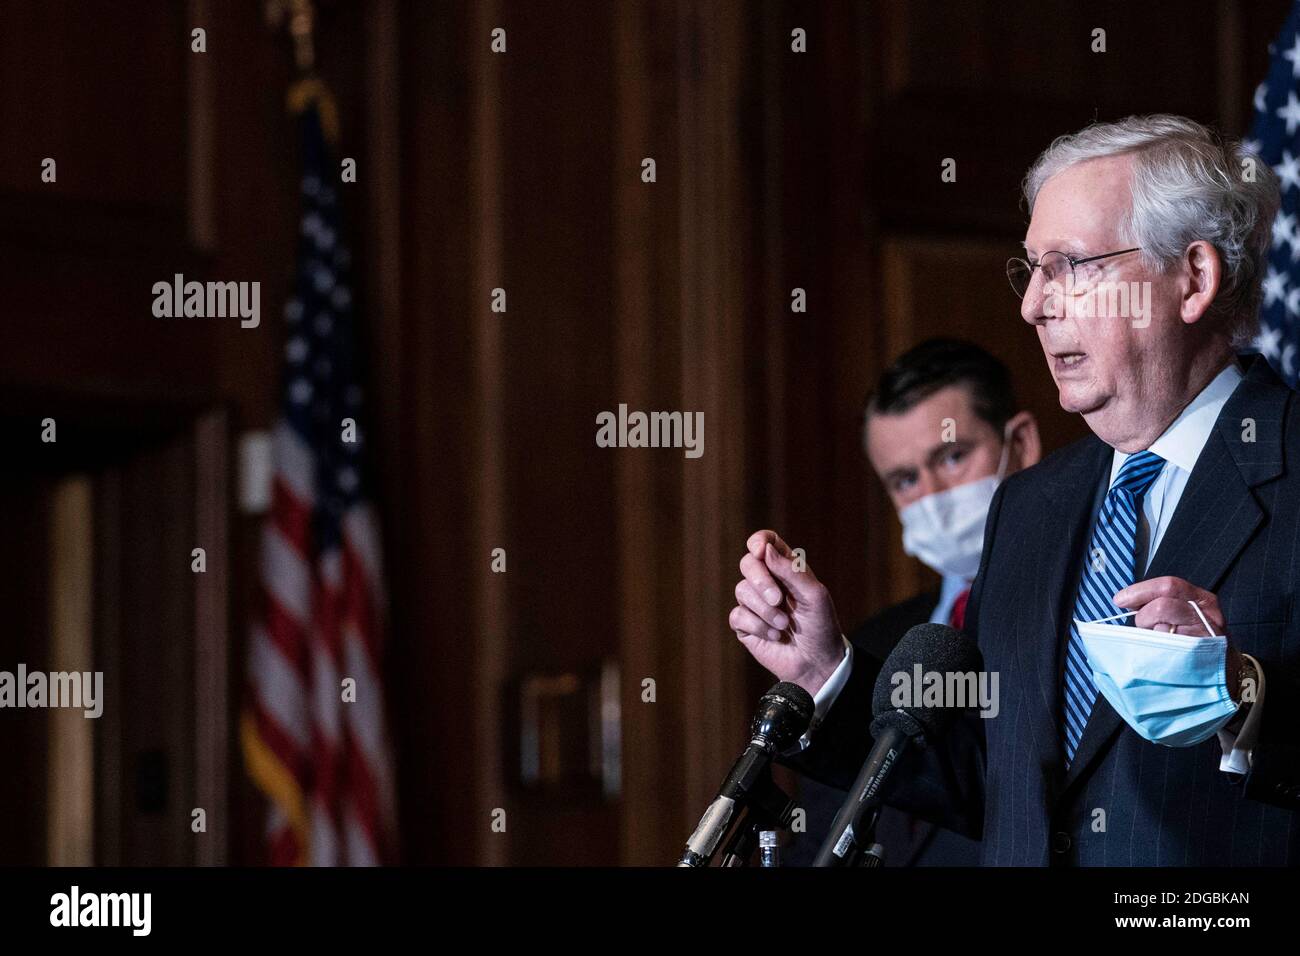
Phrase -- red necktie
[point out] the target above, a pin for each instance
(958, 616)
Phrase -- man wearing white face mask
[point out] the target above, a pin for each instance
(941, 429)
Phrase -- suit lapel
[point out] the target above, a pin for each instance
(1061, 539)
(1215, 518)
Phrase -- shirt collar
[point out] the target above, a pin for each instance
(1181, 443)
(949, 591)
(952, 586)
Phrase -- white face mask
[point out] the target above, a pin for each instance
(946, 529)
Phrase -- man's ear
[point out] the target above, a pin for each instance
(1026, 445)
(1202, 271)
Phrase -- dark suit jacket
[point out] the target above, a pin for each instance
(1124, 801)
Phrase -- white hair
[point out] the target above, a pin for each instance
(1188, 184)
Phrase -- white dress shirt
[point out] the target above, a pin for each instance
(1179, 445)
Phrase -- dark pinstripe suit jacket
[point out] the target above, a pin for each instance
(1124, 801)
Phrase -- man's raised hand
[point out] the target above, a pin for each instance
(785, 617)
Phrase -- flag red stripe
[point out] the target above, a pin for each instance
(362, 790)
(281, 744)
(283, 848)
(288, 636)
(291, 516)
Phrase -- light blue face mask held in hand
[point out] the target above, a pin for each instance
(1170, 688)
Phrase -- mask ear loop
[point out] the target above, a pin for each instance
(1115, 617)
(1005, 459)
(1197, 608)
(1103, 620)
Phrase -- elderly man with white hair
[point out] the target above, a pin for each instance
(1136, 591)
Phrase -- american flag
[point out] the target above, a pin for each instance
(1276, 139)
(321, 759)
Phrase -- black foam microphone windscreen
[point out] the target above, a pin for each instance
(783, 715)
(925, 649)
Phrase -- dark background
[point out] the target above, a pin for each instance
(776, 170)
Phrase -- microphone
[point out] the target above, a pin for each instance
(925, 648)
(783, 716)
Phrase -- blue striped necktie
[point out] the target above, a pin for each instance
(1108, 568)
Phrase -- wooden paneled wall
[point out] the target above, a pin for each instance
(776, 171)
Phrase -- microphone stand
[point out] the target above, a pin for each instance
(852, 829)
(768, 807)
(771, 809)
(873, 856)
(865, 851)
